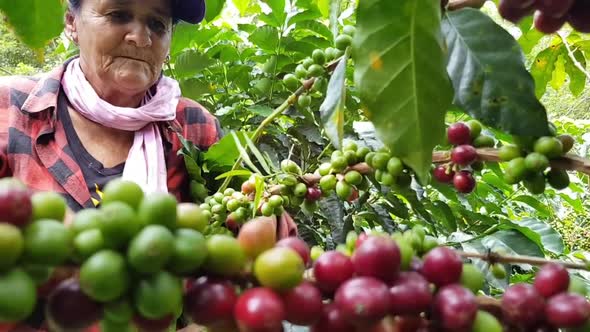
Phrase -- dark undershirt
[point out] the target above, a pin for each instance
(95, 174)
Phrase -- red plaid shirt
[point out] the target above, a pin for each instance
(34, 148)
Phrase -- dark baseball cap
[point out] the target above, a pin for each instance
(191, 11)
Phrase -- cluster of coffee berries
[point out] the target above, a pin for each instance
(550, 15)
(344, 173)
(296, 191)
(33, 242)
(313, 66)
(408, 282)
(552, 302)
(465, 138)
(529, 161)
(389, 170)
(230, 208)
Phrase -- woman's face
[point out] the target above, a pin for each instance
(123, 43)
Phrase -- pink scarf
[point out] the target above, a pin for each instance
(146, 164)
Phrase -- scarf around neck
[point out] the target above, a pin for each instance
(146, 163)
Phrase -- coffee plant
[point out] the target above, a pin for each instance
(406, 140)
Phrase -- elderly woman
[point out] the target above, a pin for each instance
(109, 112)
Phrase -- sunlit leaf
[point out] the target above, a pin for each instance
(400, 74)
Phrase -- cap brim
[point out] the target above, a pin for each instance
(191, 11)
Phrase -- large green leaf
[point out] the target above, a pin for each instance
(332, 109)
(278, 10)
(223, 154)
(530, 39)
(488, 72)
(544, 65)
(35, 22)
(182, 37)
(190, 62)
(307, 15)
(324, 6)
(542, 209)
(512, 241)
(576, 76)
(476, 246)
(242, 5)
(265, 37)
(540, 233)
(315, 27)
(333, 209)
(213, 9)
(401, 76)
(559, 75)
(194, 88)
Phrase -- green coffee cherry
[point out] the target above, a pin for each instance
(484, 141)
(369, 158)
(304, 101)
(289, 166)
(339, 164)
(353, 177)
(350, 146)
(342, 42)
(486, 322)
(387, 179)
(324, 169)
(328, 182)
(341, 247)
(343, 190)
(350, 157)
(351, 238)
(428, 244)
(300, 72)
(567, 142)
(475, 128)
(509, 152)
(275, 201)
(316, 252)
(380, 161)
(233, 204)
(291, 82)
(331, 53)
(300, 190)
(395, 166)
(498, 271)
(315, 70)
(551, 147)
(536, 162)
(267, 210)
(362, 152)
(318, 56)
(535, 183)
(406, 252)
(349, 30)
(472, 278)
(558, 178)
(307, 63)
(515, 171)
(287, 179)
